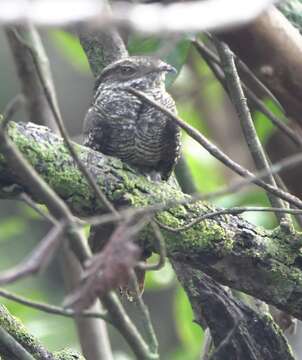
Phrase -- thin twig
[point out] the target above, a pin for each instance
(210, 57)
(145, 316)
(232, 211)
(252, 77)
(57, 116)
(52, 309)
(127, 328)
(38, 259)
(234, 187)
(36, 105)
(161, 248)
(240, 103)
(12, 108)
(44, 214)
(217, 153)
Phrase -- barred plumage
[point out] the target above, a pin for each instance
(120, 124)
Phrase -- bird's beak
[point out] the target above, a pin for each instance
(167, 68)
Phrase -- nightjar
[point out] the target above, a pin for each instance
(120, 124)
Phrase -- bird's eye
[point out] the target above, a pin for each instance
(127, 70)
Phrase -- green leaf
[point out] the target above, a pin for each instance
(70, 48)
(11, 227)
(161, 279)
(177, 58)
(190, 334)
(204, 168)
(138, 45)
(188, 112)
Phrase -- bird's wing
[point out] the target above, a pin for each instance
(96, 130)
(171, 135)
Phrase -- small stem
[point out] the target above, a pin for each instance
(240, 103)
(145, 317)
(126, 327)
(52, 309)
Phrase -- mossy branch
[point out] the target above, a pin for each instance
(266, 264)
(19, 333)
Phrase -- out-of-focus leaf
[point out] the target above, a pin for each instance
(190, 334)
(188, 112)
(163, 278)
(263, 125)
(204, 168)
(71, 48)
(11, 227)
(138, 45)
(177, 58)
(212, 90)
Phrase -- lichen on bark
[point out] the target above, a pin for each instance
(266, 264)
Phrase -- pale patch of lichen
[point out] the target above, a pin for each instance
(68, 355)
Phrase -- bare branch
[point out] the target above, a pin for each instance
(52, 309)
(109, 269)
(53, 105)
(161, 249)
(231, 211)
(212, 59)
(39, 258)
(240, 103)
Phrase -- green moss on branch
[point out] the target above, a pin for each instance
(236, 253)
(16, 329)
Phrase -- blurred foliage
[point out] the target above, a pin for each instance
(18, 235)
(157, 280)
(70, 47)
(190, 334)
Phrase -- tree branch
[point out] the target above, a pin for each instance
(17, 332)
(243, 333)
(263, 263)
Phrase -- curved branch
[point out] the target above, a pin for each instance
(266, 264)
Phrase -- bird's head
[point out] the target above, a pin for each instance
(140, 72)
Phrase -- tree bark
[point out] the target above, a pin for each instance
(266, 264)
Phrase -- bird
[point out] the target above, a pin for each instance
(120, 124)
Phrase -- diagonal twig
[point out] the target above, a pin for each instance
(217, 153)
(51, 309)
(38, 259)
(239, 101)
